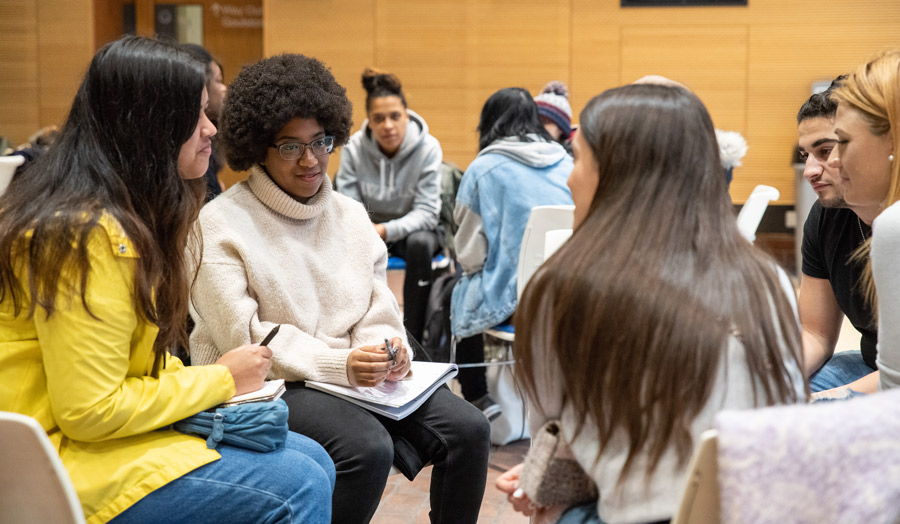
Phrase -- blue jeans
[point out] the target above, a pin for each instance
(842, 369)
(292, 484)
(587, 514)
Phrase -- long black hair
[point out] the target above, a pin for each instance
(510, 112)
(117, 154)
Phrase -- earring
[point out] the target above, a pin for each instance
(891, 158)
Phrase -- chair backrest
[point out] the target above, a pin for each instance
(34, 485)
(8, 165)
(531, 254)
(700, 503)
(753, 210)
(554, 239)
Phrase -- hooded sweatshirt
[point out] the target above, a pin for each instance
(502, 184)
(403, 192)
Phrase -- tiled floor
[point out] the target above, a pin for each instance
(406, 502)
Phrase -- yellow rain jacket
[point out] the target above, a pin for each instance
(88, 383)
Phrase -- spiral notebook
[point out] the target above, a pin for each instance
(395, 400)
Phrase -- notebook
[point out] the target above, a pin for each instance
(271, 390)
(395, 400)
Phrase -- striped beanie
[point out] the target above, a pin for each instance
(553, 104)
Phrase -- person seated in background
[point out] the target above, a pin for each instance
(656, 313)
(38, 144)
(519, 166)
(393, 166)
(283, 248)
(829, 288)
(556, 113)
(94, 290)
(217, 91)
(867, 157)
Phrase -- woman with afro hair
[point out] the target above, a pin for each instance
(282, 248)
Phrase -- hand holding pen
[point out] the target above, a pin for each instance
(370, 366)
(249, 365)
(399, 358)
(392, 351)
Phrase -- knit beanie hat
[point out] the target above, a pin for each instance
(553, 103)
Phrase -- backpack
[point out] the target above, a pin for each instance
(450, 179)
(436, 335)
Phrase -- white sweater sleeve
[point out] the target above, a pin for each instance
(383, 318)
(885, 253)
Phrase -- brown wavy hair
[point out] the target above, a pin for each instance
(117, 153)
(637, 308)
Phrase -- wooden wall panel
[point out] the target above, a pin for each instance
(711, 60)
(19, 110)
(425, 45)
(64, 54)
(788, 46)
(752, 65)
(47, 45)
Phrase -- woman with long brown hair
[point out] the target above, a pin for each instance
(656, 314)
(94, 293)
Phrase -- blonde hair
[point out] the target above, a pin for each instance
(874, 90)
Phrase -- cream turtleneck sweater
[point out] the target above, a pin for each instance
(318, 269)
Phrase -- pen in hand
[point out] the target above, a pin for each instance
(392, 352)
(270, 336)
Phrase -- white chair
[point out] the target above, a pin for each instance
(753, 210)
(532, 253)
(8, 165)
(553, 240)
(700, 503)
(34, 485)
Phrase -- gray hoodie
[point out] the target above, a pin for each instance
(403, 192)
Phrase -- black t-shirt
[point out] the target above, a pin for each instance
(830, 237)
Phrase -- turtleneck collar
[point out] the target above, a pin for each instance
(282, 203)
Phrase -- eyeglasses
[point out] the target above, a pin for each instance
(294, 150)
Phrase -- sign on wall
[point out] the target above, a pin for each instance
(676, 3)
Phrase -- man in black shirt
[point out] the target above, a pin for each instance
(829, 285)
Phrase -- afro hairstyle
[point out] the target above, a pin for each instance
(267, 95)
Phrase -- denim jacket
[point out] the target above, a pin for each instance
(495, 198)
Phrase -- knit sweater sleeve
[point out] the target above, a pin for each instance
(885, 253)
(383, 318)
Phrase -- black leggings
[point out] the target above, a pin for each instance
(446, 431)
(472, 381)
(417, 249)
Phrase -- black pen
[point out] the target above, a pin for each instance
(392, 353)
(270, 336)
